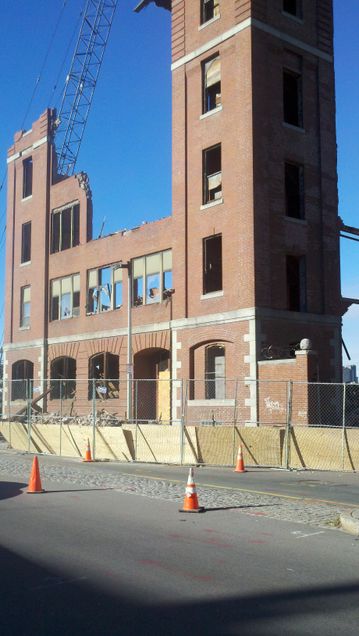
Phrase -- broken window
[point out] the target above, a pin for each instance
(26, 242)
(25, 306)
(296, 283)
(65, 228)
(104, 369)
(209, 10)
(65, 297)
(211, 81)
(27, 178)
(104, 289)
(63, 378)
(215, 372)
(22, 378)
(292, 98)
(294, 190)
(212, 264)
(152, 278)
(293, 7)
(212, 174)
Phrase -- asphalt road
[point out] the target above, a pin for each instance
(97, 561)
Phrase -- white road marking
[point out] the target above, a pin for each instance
(301, 535)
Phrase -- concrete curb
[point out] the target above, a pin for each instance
(350, 522)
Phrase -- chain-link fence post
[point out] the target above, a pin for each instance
(343, 425)
(61, 413)
(136, 416)
(93, 418)
(235, 409)
(183, 403)
(9, 390)
(288, 427)
(28, 413)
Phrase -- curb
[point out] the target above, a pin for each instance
(350, 522)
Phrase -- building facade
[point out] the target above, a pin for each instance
(247, 263)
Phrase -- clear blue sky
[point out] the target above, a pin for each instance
(127, 146)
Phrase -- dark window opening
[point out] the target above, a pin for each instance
(27, 178)
(296, 283)
(294, 190)
(212, 174)
(65, 228)
(212, 264)
(292, 98)
(293, 7)
(25, 306)
(215, 372)
(22, 379)
(63, 379)
(211, 81)
(104, 374)
(209, 10)
(26, 242)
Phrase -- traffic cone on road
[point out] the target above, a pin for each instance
(35, 481)
(88, 456)
(190, 503)
(240, 463)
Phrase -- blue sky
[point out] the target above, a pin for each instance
(127, 145)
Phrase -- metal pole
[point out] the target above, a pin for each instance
(28, 403)
(129, 341)
(289, 422)
(343, 427)
(60, 416)
(93, 417)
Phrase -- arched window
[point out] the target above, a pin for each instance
(104, 368)
(215, 372)
(63, 378)
(22, 376)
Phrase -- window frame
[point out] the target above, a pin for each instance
(300, 206)
(217, 383)
(296, 289)
(206, 96)
(296, 121)
(116, 278)
(214, 8)
(74, 309)
(18, 389)
(57, 234)
(106, 387)
(25, 307)
(141, 274)
(64, 386)
(206, 175)
(27, 177)
(209, 286)
(26, 242)
(298, 13)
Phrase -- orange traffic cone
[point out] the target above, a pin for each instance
(88, 456)
(35, 481)
(190, 503)
(240, 463)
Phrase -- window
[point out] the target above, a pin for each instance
(65, 297)
(26, 242)
(294, 190)
(292, 98)
(25, 294)
(293, 7)
(104, 369)
(63, 378)
(65, 228)
(212, 174)
(215, 372)
(22, 377)
(209, 10)
(296, 283)
(152, 278)
(211, 82)
(104, 287)
(27, 178)
(212, 264)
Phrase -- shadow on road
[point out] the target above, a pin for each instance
(11, 489)
(41, 601)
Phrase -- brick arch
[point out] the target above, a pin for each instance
(209, 341)
(100, 345)
(63, 350)
(153, 340)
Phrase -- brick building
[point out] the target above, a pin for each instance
(249, 257)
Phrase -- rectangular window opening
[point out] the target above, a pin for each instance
(293, 7)
(212, 264)
(26, 242)
(104, 289)
(211, 82)
(25, 308)
(152, 278)
(212, 174)
(65, 232)
(209, 10)
(294, 190)
(27, 178)
(296, 283)
(65, 297)
(292, 98)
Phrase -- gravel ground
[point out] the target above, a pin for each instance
(59, 471)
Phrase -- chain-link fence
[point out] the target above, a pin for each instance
(281, 424)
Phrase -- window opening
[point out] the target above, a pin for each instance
(152, 278)
(294, 190)
(209, 10)
(212, 264)
(212, 174)
(65, 297)
(25, 309)
(211, 78)
(292, 98)
(104, 368)
(22, 375)
(296, 283)
(293, 7)
(27, 178)
(104, 287)
(63, 378)
(26, 242)
(215, 372)
(65, 226)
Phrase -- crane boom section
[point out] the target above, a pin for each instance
(81, 81)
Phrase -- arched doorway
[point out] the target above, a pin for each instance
(152, 390)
